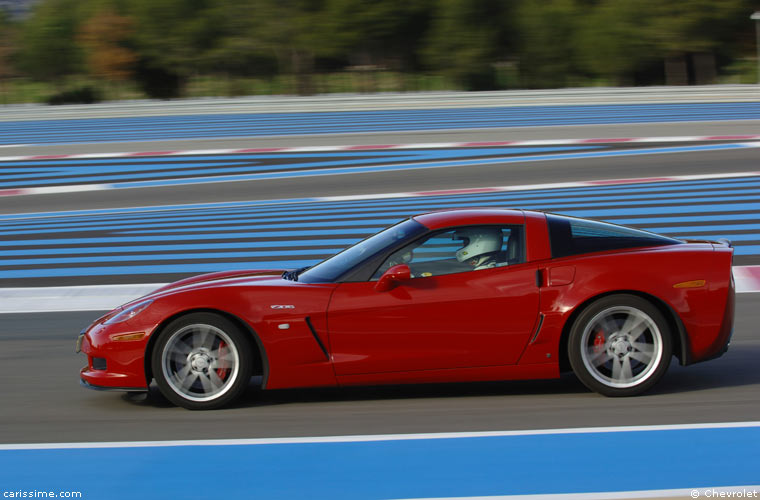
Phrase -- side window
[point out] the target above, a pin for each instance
(468, 248)
(570, 236)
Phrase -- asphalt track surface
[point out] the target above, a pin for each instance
(43, 403)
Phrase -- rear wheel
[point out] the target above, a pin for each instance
(202, 361)
(620, 345)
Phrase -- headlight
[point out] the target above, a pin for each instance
(129, 313)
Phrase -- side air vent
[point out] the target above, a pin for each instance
(316, 337)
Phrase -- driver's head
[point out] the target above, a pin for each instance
(478, 242)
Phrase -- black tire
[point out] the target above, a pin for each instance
(620, 345)
(202, 361)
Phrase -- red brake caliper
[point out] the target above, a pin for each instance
(223, 369)
(599, 342)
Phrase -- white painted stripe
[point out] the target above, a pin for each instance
(432, 145)
(747, 278)
(70, 298)
(14, 158)
(751, 491)
(193, 152)
(312, 149)
(375, 437)
(685, 138)
(98, 155)
(355, 197)
(728, 175)
(548, 142)
(73, 188)
(552, 185)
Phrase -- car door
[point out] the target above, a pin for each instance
(448, 315)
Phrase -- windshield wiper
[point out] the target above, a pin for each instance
(293, 275)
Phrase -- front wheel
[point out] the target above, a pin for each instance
(620, 345)
(202, 361)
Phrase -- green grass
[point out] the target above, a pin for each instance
(24, 90)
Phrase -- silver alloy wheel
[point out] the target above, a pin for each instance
(621, 347)
(200, 362)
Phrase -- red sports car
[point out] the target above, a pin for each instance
(456, 295)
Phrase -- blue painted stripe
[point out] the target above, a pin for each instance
(171, 219)
(569, 208)
(188, 237)
(367, 206)
(742, 250)
(735, 237)
(298, 209)
(169, 235)
(130, 270)
(268, 124)
(605, 213)
(254, 226)
(270, 206)
(129, 162)
(273, 247)
(692, 232)
(721, 228)
(687, 218)
(414, 468)
(173, 226)
(248, 254)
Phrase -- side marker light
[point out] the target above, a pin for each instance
(690, 284)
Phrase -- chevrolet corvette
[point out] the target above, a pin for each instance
(449, 296)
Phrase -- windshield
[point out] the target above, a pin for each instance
(336, 266)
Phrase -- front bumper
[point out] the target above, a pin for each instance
(88, 385)
(112, 365)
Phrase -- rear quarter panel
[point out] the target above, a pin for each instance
(573, 282)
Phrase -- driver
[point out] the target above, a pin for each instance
(481, 245)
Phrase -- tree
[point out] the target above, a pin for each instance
(7, 43)
(170, 38)
(610, 42)
(104, 37)
(547, 34)
(468, 37)
(648, 41)
(380, 32)
(296, 32)
(688, 33)
(48, 50)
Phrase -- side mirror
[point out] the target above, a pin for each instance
(392, 277)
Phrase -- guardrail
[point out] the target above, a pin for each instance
(387, 101)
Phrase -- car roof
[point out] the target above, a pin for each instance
(470, 216)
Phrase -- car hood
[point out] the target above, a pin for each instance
(243, 277)
(205, 279)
